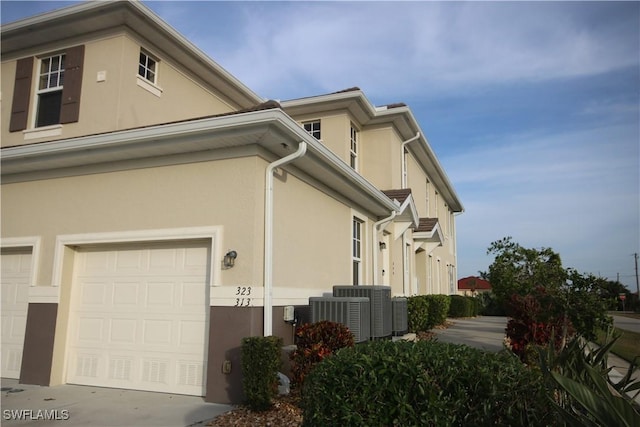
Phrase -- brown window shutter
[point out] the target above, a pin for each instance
(74, 58)
(21, 95)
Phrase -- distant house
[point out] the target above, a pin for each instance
(472, 286)
(155, 210)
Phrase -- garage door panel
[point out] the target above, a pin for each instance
(154, 315)
(15, 278)
(122, 331)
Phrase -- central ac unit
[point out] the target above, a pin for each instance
(400, 315)
(354, 313)
(380, 300)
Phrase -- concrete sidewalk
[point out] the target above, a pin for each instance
(72, 405)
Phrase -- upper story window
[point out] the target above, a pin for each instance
(313, 128)
(50, 85)
(147, 67)
(57, 81)
(353, 152)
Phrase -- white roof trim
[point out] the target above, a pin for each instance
(191, 135)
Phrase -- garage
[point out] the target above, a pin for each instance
(16, 274)
(139, 316)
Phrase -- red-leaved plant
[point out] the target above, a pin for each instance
(314, 342)
(536, 319)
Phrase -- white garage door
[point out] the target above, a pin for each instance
(139, 318)
(16, 273)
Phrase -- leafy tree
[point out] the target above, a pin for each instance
(519, 270)
(586, 303)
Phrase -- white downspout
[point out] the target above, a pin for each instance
(374, 244)
(402, 160)
(268, 235)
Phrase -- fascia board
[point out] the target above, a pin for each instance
(100, 145)
(119, 139)
(426, 155)
(430, 235)
(320, 103)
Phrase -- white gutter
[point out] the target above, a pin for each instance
(268, 235)
(402, 159)
(376, 226)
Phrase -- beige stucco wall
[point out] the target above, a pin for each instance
(118, 102)
(380, 162)
(217, 193)
(312, 245)
(380, 157)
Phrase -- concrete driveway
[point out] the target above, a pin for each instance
(484, 332)
(72, 405)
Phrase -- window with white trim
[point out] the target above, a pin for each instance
(356, 250)
(148, 67)
(50, 84)
(353, 151)
(313, 128)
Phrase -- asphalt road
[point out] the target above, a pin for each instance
(626, 323)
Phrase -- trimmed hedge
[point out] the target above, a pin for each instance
(418, 313)
(438, 309)
(260, 365)
(427, 311)
(383, 383)
(463, 306)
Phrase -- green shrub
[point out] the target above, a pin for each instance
(260, 366)
(383, 383)
(418, 313)
(462, 306)
(314, 342)
(438, 309)
(490, 306)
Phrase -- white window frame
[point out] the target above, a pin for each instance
(357, 246)
(146, 68)
(47, 89)
(353, 147)
(143, 80)
(309, 126)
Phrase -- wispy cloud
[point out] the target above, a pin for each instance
(281, 48)
(578, 192)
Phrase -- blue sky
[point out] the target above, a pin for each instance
(532, 108)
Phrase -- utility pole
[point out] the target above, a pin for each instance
(635, 256)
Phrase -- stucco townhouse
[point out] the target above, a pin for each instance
(155, 210)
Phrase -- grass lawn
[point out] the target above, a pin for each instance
(627, 346)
